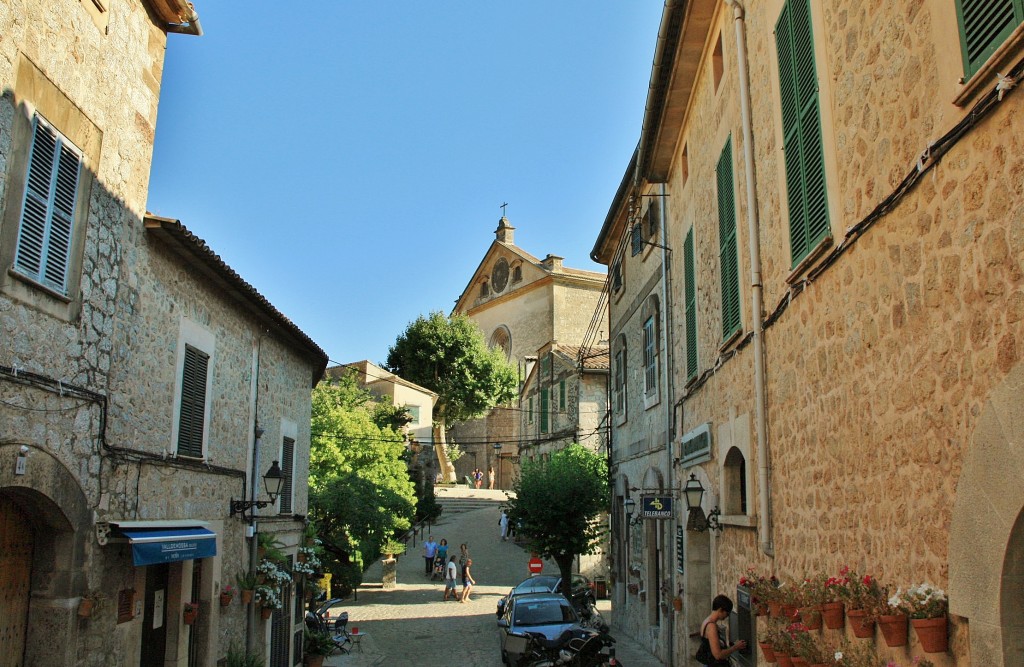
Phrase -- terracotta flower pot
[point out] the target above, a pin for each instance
(811, 617)
(190, 616)
(800, 662)
(225, 599)
(789, 611)
(314, 660)
(832, 615)
(247, 596)
(784, 660)
(894, 629)
(775, 609)
(768, 651)
(266, 612)
(85, 607)
(933, 633)
(863, 626)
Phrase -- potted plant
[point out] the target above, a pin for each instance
(784, 647)
(315, 647)
(763, 590)
(310, 535)
(89, 603)
(807, 647)
(270, 548)
(247, 584)
(813, 596)
(237, 657)
(269, 598)
(190, 612)
(392, 548)
(227, 594)
(832, 607)
(767, 638)
(863, 597)
(926, 606)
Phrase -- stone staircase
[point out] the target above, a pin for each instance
(458, 505)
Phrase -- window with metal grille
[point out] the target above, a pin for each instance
(637, 238)
(48, 208)
(801, 128)
(544, 410)
(690, 306)
(287, 465)
(984, 26)
(125, 605)
(620, 381)
(650, 356)
(192, 418)
(727, 257)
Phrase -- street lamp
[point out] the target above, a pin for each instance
(497, 455)
(273, 481)
(630, 505)
(694, 493)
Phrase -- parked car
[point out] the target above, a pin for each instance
(582, 589)
(545, 614)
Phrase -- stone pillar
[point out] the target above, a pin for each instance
(389, 578)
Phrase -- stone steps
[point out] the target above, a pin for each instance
(460, 505)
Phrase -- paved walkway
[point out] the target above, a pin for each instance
(411, 624)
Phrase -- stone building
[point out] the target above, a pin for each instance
(385, 384)
(521, 304)
(138, 372)
(845, 207)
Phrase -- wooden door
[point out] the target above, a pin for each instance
(154, 618)
(16, 543)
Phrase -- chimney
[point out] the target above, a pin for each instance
(552, 262)
(505, 233)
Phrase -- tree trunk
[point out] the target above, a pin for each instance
(564, 562)
(447, 469)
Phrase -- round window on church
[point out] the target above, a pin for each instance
(499, 275)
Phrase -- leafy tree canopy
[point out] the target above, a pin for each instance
(557, 505)
(360, 491)
(449, 356)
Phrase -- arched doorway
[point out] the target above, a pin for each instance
(986, 557)
(16, 548)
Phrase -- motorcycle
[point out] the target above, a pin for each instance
(574, 648)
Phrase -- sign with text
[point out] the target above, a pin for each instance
(656, 507)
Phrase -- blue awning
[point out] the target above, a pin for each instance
(170, 545)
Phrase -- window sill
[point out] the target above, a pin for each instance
(807, 262)
(14, 273)
(652, 400)
(733, 338)
(738, 520)
(985, 76)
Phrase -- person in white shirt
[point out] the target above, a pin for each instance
(451, 575)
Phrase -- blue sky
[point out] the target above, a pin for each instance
(349, 159)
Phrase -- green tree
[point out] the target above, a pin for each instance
(448, 355)
(558, 503)
(360, 491)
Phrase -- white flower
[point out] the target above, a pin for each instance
(839, 655)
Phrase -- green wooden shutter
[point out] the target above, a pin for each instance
(689, 277)
(544, 408)
(984, 26)
(192, 419)
(561, 395)
(727, 254)
(801, 128)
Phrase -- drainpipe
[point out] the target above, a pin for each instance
(189, 17)
(666, 284)
(756, 293)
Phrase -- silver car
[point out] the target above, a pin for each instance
(547, 614)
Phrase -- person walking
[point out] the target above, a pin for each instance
(503, 526)
(451, 573)
(712, 651)
(442, 551)
(467, 581)
(463, 555)
(478, 477)
(429, 551)
(490, 477)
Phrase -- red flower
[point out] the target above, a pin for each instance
(867, 580)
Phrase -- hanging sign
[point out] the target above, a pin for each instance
(656, 507)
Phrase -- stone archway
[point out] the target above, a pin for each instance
(986, 538)
(52, 502)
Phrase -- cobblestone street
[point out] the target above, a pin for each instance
(412, 625)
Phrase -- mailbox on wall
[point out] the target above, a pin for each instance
(741, 626)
